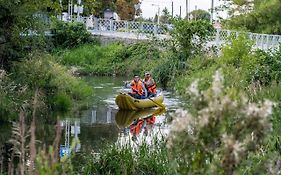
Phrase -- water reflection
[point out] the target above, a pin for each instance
(137, 124)
(95, 127)
(107, 125)
(125, 118)
(71, 129)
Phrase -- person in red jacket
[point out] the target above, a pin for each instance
(149, 85)
(138, 89)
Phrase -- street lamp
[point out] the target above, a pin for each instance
(158, 19)
(212, 11)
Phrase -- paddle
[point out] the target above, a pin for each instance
(158, 104)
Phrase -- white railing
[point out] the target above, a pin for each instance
(135, 29)
(261, 41)
(100, 24)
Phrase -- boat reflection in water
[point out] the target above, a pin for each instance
(108, 125)
(137, 124)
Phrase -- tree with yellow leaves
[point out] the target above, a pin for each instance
(126, 9)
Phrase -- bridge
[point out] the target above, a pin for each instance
(144, 31)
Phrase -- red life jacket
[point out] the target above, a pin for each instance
(136, 128)
(150, 88)
(137, 88)
(151, 120)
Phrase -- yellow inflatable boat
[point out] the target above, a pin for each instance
(125, 102)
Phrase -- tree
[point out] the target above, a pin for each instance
(237, 7)
(126, 9)
(19, 20)
(155, 19)
(189, 37)
(200, 15)
(165, 17)
(265, 17)
(101, 5)
(90, 7)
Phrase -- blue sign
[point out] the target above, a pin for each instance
(64, 151)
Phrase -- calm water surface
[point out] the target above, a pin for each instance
(102, 122)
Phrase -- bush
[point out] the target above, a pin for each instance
(217, 132)
(127, 159)
(189, 37)
(243, 67)
(70, 34)
(268, 66)
(53, 80)
(114, 58)
(10, 98)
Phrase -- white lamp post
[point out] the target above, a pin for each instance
(158, 19)
(212, 11)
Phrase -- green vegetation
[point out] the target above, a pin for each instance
(20, 20)
(112, 59)
(259, 16)
(200, 15)
(24, 71)
(166, 61)
(127, 159)
(58, 88)
(231, 130)
(69, 35)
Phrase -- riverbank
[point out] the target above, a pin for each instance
(114, 59)
(57, 88)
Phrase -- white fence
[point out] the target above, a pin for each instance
(261, 41)
(140, 30)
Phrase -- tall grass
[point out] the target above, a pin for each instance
(115, 58)
(145, 158)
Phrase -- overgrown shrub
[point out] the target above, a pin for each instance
(243, 67)
(189, 37)
(217, 133)
(268, 66)
(10, 98)
(70, 34)
(115, 58)
(128, 159)
(55, 81)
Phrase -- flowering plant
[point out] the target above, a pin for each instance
(219, 131)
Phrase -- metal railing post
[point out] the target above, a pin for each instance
(262, 42)
(228, 33)
(250, 36)
(267, 42)
(96, 24)
(155, 29)
(218, 37)
(110, 25)
(126, 26)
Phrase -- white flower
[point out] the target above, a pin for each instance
(234, 146)
(217, 83)
(193, 89)
(218, 77)
(2, 73)
(252, 109)
(203, 121)
(182, 122)
(267, 108)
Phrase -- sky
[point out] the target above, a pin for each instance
(149, 10)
